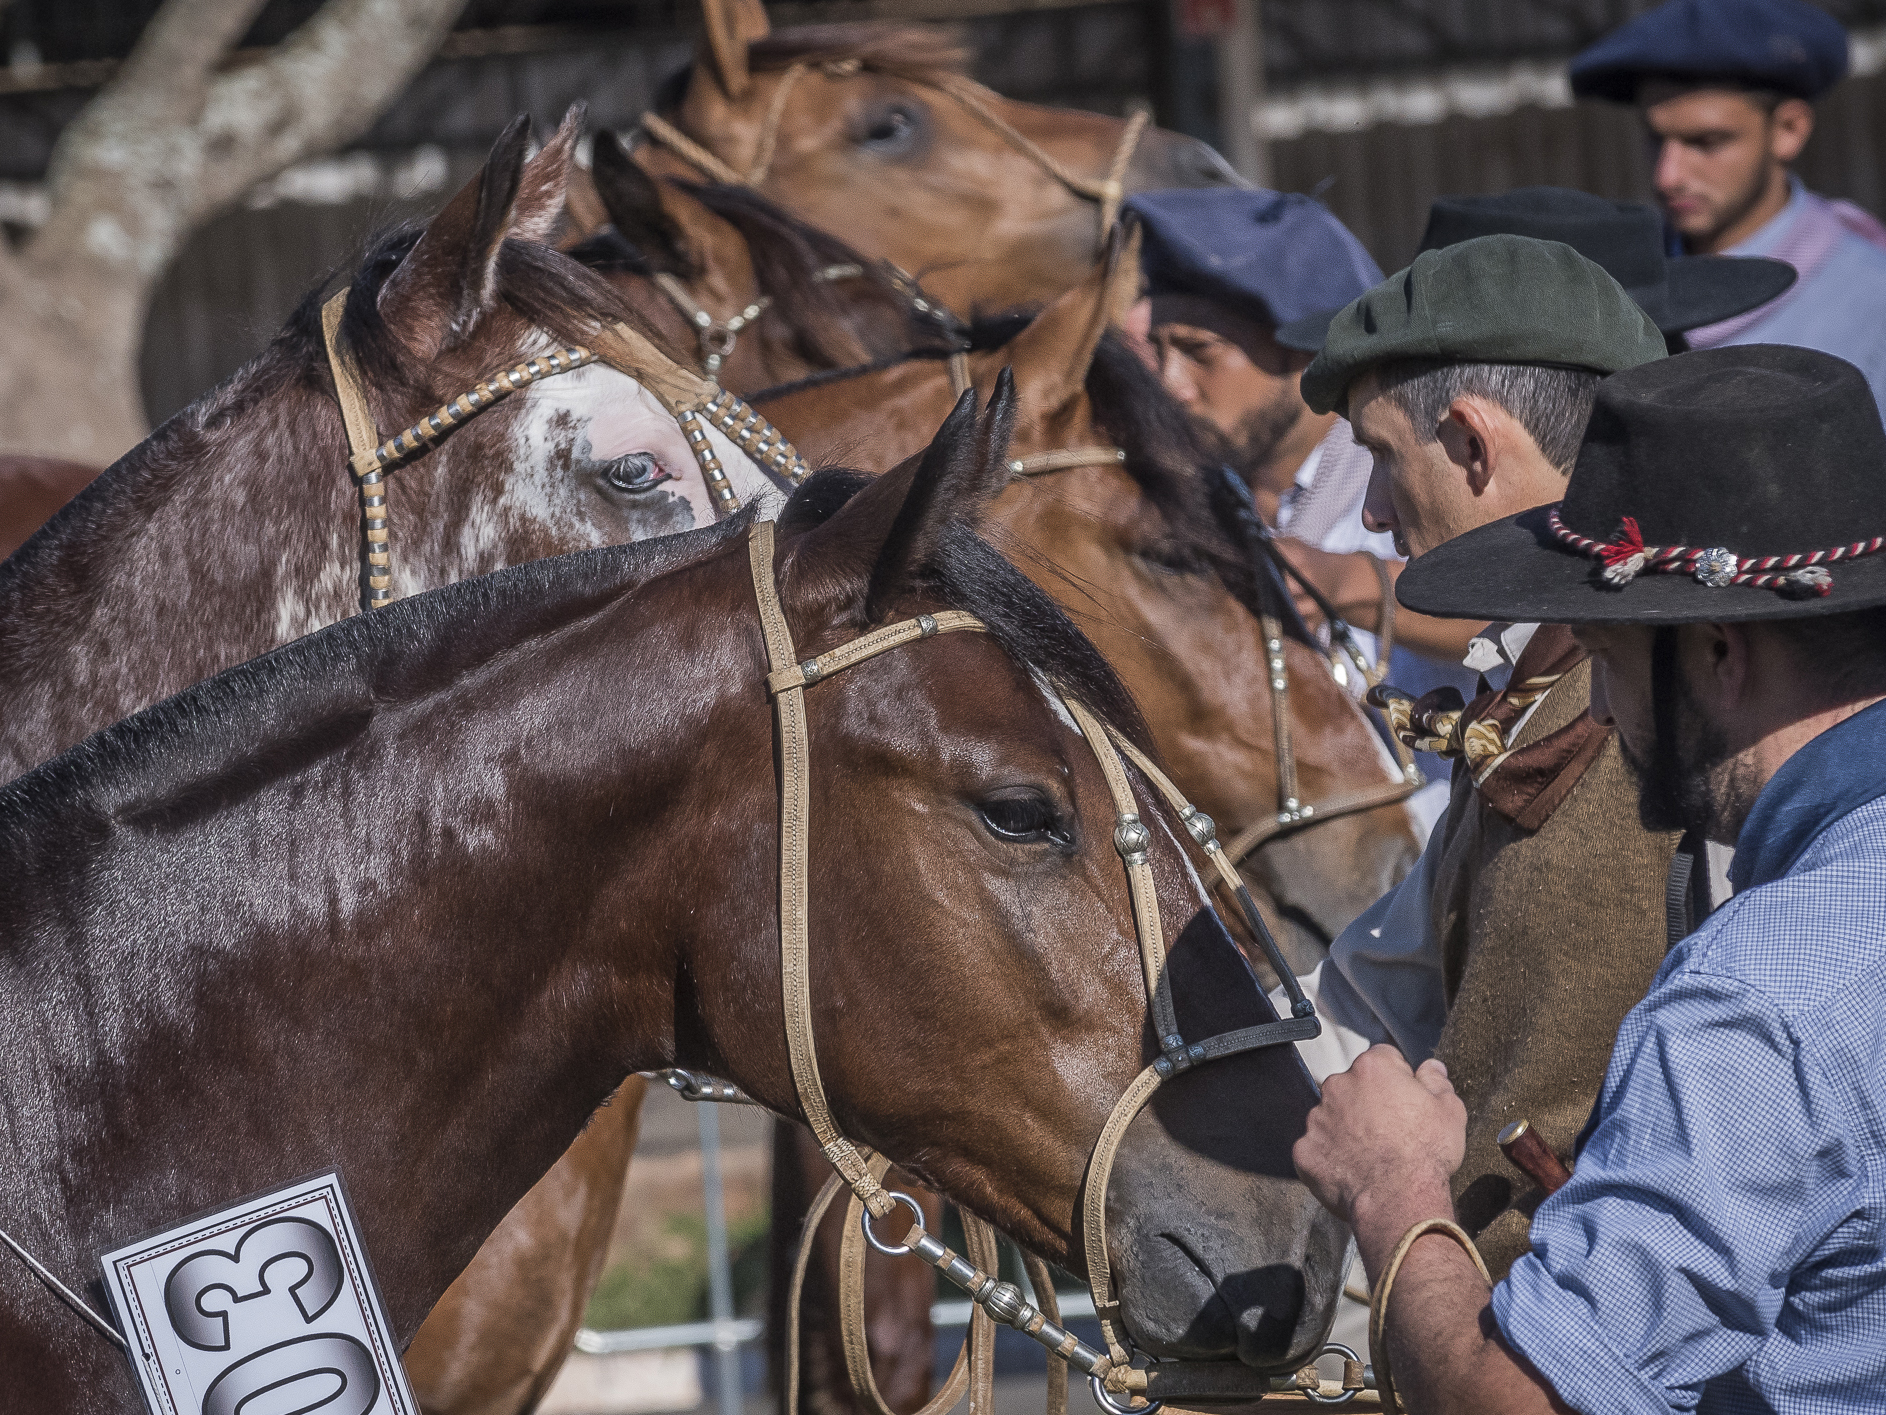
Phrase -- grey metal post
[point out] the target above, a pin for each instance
(719, 1269)
(1241, 93)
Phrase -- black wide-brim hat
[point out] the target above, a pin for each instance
(1760, 461)
(1624, 237)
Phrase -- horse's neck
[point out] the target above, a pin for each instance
(230, 530)
(431, 991)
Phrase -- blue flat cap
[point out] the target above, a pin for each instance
(1785, 45)
(1274, 255)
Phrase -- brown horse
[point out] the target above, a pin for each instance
(519, 769)
(1153, 558)
(235, 527)
(875, 130)
(758, 298)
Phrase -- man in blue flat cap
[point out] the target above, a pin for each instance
(1726, 88)
(1224, 269)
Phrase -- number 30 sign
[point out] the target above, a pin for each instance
(267, 1302)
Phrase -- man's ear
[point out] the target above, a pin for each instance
(1791, 125)
(1475, 441)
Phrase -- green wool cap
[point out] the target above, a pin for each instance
(1495, 299)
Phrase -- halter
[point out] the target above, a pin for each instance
(1110, 1371)
(973, 97)
(692, 401)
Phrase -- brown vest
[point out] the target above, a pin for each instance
(1548, 937)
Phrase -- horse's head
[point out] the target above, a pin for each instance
(976, 982)
(1155, 561)
(875, 130)
(583, 458)
(781, 299)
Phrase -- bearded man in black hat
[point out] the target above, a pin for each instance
(1721, 1244)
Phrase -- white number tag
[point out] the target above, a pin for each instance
(266, 1305)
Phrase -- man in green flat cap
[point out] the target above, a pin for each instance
(1470, 377)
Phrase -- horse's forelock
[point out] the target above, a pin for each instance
(968, 573)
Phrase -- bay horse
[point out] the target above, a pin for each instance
(875, 129)
(757, 297)
(235, 527)
(553, 785)
(1153, 557)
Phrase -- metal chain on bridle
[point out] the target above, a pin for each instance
(974, 98)
(1115, 1381)
(695, 403)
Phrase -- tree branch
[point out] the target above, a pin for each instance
(320, 88)
(164, 146)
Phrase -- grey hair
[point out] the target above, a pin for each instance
(1552, 404)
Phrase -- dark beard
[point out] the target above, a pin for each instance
(1261, 430)
(1673, 786)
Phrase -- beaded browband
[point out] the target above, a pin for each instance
(693, 403)
(1625, 557)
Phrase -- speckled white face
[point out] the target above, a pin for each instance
(602, 435)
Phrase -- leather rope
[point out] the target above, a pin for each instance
(691, 400)
(1378, 1304)
(787, 679)
(1109, 191)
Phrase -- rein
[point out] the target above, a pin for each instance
(1114, 1380)
(971, 96)
(692, 401)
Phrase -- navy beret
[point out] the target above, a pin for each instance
(1786, 45)
(1275, 255)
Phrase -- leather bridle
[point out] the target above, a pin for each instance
(694, 402)
(974, 98)
(1113, 1377)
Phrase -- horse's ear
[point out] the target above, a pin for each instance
(1051, 357)
(633, 203)
(731, 26)
(544, 186)
(449, 280)
(955, 478)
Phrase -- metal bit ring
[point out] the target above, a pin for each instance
(1107, 1401)
(1316, 1396)
(891, 1250)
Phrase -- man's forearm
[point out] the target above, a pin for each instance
(1444, 1348)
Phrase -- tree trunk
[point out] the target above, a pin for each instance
(162, 148)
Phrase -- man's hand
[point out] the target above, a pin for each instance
(1380, 1148)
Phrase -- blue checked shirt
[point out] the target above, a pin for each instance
(1722, 1244)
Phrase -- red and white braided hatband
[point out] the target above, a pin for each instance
(1626, 557)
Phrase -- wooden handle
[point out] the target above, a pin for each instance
(1521, 1144)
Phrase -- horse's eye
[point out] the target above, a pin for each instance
(891, 127)
(1023, 816)
(636, 473)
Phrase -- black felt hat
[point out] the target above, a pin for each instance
(1624, 237)
(1747, 482)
